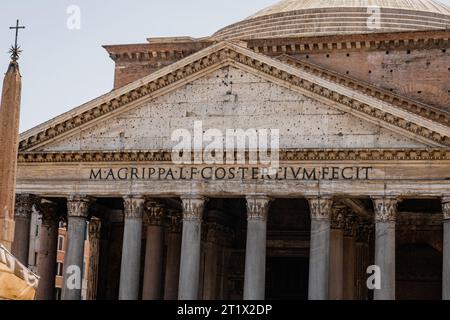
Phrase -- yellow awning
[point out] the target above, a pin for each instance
(16, 281)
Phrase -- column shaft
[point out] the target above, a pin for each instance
(336, 264)
(188, 288)
(336, 290)
(131, 249)
(362, 258)
(385, 214)
(446, 249)
(349, 268)
(173, 260)
(112, 258)
(362, 236)
(255, 253)
(319, 259)
(154, 253)
(211, 270)
(77, 212)
(46, 261)
(22, 217)
(349, 263)
(94, 258)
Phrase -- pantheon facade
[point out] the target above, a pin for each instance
(360, 94)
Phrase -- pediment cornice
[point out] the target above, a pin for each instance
(399, 101)
(419, 124)
(165, 156)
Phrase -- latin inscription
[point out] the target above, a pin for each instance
(229, 173)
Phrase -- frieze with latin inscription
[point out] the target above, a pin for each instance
(138, 173)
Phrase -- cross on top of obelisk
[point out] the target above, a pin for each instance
(15, 50)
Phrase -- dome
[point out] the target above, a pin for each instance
(293, 18)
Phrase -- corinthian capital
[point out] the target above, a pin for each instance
(78, 206)
(24, 205)
(49, 212)
(338, 216)
(385, 209)
(320, 208)
(174, 222)
(193, 207)
(134, 207)
(94, 228)
(258, 207)
(446, 207)
(350, 222)
(154, 213)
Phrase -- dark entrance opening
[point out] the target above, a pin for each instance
(287, 278)
(419, 272)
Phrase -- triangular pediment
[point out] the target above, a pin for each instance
(232, 98)
(228, 86)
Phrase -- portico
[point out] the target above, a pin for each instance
(216, 247)
(361, 177)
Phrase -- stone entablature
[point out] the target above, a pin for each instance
(158, 51)
(285, 155)
(378, 41)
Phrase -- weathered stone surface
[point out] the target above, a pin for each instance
(9, 136)
(233, 99)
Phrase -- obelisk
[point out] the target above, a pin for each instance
(9, 136)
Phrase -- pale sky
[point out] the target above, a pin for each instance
(63, 68)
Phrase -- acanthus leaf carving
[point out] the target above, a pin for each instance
(320, 208)
(154, 213)
(385, 209)
(24, 205)
(78, 206)
(258, 207)
(133, 207)
(193, 207)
